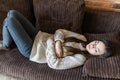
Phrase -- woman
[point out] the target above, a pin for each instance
(63, 50)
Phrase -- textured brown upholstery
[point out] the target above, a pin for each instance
(96, 21)
(54, 14)
(23, 6)
(111, 36)
(12, 63)
(105, 68)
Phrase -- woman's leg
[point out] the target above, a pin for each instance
(7, 39)
(14, 30)
(28, 27)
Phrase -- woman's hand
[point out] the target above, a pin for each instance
(58, 47)
(51, 37)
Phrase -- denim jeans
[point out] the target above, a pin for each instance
(16, 27)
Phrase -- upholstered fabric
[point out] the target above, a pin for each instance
(111, 36)
(96, 21)
(105, 68)
(54, 14)
(12, 63)
(23, 6)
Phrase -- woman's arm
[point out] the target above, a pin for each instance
(58, 49)
(60, 34)
(62, 63)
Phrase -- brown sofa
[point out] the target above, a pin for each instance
(49, 15)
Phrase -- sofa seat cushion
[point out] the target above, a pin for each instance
(23, 6)
(54, 14)
(12, 63)
(104, 68)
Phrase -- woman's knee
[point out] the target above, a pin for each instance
(12, 13)
(9, 20)
(6, 20)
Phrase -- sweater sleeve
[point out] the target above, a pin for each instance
(62, 63)
(60, 34)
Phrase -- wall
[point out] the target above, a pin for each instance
(109, 5)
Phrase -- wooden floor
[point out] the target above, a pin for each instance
(109, 5)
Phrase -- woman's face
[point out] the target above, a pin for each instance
(96, 47)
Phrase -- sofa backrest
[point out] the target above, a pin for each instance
(68, 14)
(54, 14)
(98, 21)
(102, 16)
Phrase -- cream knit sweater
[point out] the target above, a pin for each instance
(43, 50)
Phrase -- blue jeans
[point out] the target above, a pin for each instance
(16, 27)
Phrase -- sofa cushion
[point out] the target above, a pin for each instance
(111, 36)
(12, 63)
(104, 68)
(54, 14)
(97, 21)
(23, 6)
